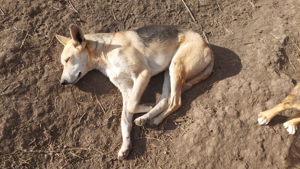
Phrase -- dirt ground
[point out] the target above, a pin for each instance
(46, 125)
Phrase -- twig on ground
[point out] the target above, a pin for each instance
(5, 88)
(10, 91)
(82, 116)
(229, 31)
(274, 36)
(219, 6)
(206, 39)
(295, 45)
(189, 10)
(78, 148)
(294, 68)
(24, 40)
(73, 154)
(2, 11)
(252, 4)
(113, 14)
(125, 19)
(55, 101)
(73, 6)
(100, 104)
(51, 152)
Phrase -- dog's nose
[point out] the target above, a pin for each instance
(63, 82)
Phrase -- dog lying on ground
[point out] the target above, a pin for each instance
(292, 101)
(131, 58)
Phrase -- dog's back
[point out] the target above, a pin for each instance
(159, 33)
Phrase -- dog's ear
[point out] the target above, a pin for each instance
(62, 39)
(76, 34)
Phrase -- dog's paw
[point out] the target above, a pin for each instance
(262, 120)
(153, 122)
(291, 129)
(123, 153)
(140, 121)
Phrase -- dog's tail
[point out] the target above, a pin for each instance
(293, 158)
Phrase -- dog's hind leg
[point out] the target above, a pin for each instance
(186, 64)
(177, 77)
(202, 76)
(163, 102)
(292, 124)
(161, 105)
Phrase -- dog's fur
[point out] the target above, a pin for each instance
(293, 158)
(292, 101)
(130, 58)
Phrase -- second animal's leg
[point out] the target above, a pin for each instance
(160, 106)
(292, 124)
(265, 117)
(290, 102)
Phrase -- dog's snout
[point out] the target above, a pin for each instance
(63, 82)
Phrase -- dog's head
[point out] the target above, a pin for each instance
(74, 57)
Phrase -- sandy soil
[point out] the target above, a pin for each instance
(46, 125)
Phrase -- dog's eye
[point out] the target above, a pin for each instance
(67, 60)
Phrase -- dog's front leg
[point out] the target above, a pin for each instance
(292, 124)
(126, 125)
(138, 89)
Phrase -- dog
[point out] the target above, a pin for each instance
(292, 101)
(130, 58)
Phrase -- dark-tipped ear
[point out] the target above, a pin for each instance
(62, 39)
(76, 34)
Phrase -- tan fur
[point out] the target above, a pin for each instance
(293, 157)
(292, 101)
(130, 59)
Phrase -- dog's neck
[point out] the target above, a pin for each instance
(98, 47)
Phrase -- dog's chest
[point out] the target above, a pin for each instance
(119, 77)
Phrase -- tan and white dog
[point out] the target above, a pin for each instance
(292, 101)
(131, 58)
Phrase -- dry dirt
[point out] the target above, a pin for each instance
(46, 125)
